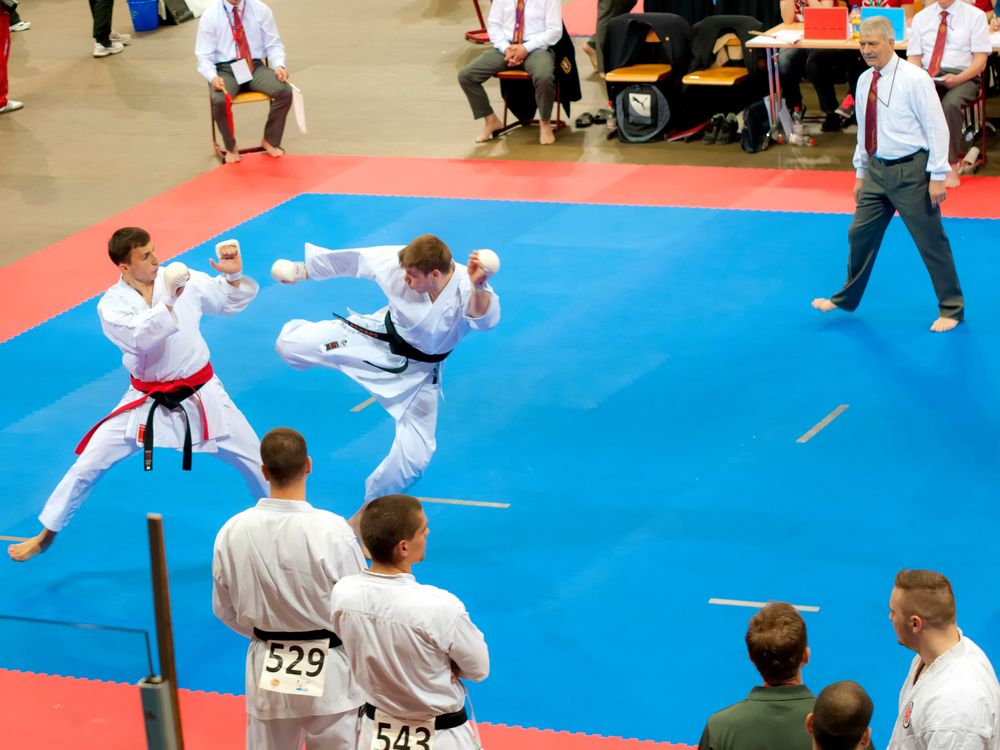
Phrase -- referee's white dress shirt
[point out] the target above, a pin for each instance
(909, 118)
(968, 32)
(215, 42)
(542, 23)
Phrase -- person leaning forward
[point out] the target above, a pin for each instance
(901, 161)
(234, 38)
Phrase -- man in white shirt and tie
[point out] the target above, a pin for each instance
(234, 39)
(951, 698)
(409, 644)
(273, 571)
(522, 33)
(950, 39)
(901, 161)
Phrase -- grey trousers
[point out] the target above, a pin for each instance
(952, 101)
(606, 10)
(263, 81)
(903, 188)
(540, 65)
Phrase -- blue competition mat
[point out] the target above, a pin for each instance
(638, 407)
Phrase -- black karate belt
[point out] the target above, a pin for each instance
(442, 722)
(397, 344)
(170, 400)
(300, 635)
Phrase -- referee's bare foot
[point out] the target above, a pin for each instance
(35, 546)
(943, 324)
(276, 151)
(546, 136)
(823, 305)
(232, 157)
(491, 124)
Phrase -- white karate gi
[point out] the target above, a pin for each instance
(410, 396)
(157, 346)
(955, 704)
(401, 638)
(274, 568)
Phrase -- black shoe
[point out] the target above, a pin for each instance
(833, 123)
(730, 132)
(714, 129)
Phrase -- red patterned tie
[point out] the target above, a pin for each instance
(871, 116)
(519, 23)
(240, 37)
(938, 53)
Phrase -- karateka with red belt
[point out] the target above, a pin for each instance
(175, 399)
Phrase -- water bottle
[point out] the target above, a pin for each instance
(798, 135)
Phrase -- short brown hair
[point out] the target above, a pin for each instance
(776, 641)
(388, 520)
(426, 253)
(841, 715)
(928, 595)
(123, 241)
(283, 453)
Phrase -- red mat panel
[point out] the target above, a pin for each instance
(73, 270)
(46, 711)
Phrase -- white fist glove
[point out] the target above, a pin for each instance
(288, 272)
(489, 261)
(175, 277)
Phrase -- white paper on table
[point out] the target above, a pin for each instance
(789, 36)
(299, 106)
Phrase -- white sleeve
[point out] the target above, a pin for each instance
(222, 602)
(494, 27)
(980, 33)
(274, 50)
(468, 649)
(553, 28)
(927, 107)
(915, 47)
(860, 155)
(218, 296)
(136, 332)
(358, 263)
(204, 46)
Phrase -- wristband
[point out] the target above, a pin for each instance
(233, 276)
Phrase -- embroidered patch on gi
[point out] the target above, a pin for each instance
(335, 344)
(906, 715)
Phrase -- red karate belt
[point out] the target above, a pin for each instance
(169, 394)
(871, 116)
(938, 53)
(519, 23)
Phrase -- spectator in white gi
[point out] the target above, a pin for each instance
(839, 719)
(409, 644)
(274, 569)
(158, 333)
(395, 353)
(950, 698)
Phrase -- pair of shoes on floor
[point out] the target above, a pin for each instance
(722, 129)
(11, 106)
(20, 26)
(114, 48)
(600, 117)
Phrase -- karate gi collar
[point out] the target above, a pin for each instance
(285, 506)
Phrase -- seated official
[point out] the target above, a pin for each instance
(950, 39)
(234, 39)
(518, 39)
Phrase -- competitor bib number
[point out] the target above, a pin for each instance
(390, 733)
(296, 667)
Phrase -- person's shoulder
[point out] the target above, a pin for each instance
(439, 598)
(915, 72)
(232, 523)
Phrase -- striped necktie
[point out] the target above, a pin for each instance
(871, 116)
(240, 37)
(938, 53)
(519, 23)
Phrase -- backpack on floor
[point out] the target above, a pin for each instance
(756, 133)
(642, 113)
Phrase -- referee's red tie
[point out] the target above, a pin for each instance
(519, 23)
(240, 35)
(871, 116)
(935, 67)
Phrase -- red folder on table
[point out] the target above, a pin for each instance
(826, 23)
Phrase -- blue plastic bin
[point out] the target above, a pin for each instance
(145, 14)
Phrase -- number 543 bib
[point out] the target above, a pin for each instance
(295, 667)
(390, 733)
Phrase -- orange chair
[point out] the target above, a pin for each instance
(244, 97)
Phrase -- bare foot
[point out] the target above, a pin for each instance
(546, 136)
(823, 305)
(943, 324)
(491, 124)
(592, 54)
(951, 179)
(276, 151)
(34, 546)
(232, 157)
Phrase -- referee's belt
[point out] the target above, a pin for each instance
(169, 394)
(442, 722)
(397, 344)
(900, 160)
(299, 635)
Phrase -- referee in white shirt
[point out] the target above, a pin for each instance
(901, 161)
(951, 698)
(409, 644)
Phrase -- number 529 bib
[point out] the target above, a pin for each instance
(296, 667)
(390, 733)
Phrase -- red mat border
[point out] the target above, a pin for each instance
(63, 275)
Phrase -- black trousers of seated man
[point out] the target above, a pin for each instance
(900, 187)
(263, 81)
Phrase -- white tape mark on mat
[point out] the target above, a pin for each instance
(474, 503)
(822, 423)
(758, 605)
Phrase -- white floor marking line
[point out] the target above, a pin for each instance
(758, 605)
(822, 423)
(13, 538)
(474, 503)
(363, 405)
